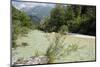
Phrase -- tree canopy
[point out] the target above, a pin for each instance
(78, 19)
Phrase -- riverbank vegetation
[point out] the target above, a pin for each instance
(51, 33)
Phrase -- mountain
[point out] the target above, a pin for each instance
(37, 13)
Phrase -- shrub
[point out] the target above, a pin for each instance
(24, 44)
(14, 45)
(24, 30)
(56, 49)
(63, 29)
(37, 53)
(72, 48)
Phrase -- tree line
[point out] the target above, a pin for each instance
(71, 18)
(21, 24)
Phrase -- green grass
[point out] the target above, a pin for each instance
(72, 48)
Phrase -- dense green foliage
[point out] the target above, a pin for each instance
(78, 19)
(21, 23)
(84, 20)
(55, 20)
(62, 19)
(63, 29)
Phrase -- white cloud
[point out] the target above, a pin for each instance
(20, 5)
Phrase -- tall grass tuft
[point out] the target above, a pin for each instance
(58, 49)
(24, 44)
(72, 48)
(37, 53)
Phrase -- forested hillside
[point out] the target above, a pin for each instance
(21, 23)
(37, 13)
(71, 18)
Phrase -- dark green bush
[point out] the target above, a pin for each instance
(63, 29)
(24, 44)
(14, 45)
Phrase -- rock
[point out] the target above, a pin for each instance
(53, 33)
(38, 60)
(43, 59)
(33, 60)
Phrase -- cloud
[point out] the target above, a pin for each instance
(20, 4)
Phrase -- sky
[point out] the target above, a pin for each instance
(20, 5)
